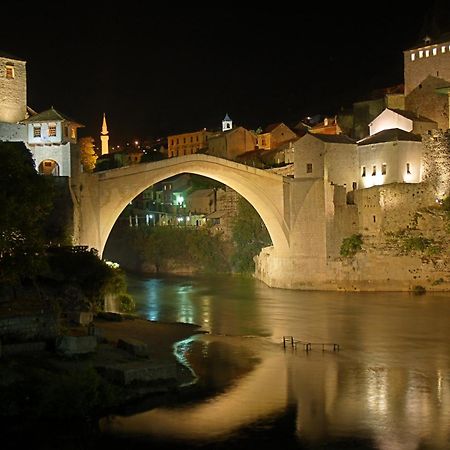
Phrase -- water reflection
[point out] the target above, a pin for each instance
(389, 384)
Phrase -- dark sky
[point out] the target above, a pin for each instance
(171, 69)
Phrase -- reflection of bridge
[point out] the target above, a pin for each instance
(293, 211)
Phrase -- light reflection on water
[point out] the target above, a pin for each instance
(389, 384)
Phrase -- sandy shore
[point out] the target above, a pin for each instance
(159, 337)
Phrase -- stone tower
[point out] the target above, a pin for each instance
(13, 89)
(227, 123)
(104, 137)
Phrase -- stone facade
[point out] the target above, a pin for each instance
(28, 328)
(427, 100)
(332, 158)
(13, 132)
(13, 89)
(428, 59)
(232, 143)
(275, 135)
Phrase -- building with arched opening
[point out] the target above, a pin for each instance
(50, 135)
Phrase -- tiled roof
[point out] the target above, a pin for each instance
(391, 135)
(50, 115)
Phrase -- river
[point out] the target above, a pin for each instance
(388, 386)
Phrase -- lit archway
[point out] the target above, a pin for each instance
(106, 194)
(49, 167)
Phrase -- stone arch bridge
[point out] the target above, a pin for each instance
(294, 211)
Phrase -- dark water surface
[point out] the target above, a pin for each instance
(387, 388)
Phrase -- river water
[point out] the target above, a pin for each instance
(388, 386)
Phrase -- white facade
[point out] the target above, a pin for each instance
(227, 123)
(317, 156)
(390, 162)
(48, 155)
(389, 119)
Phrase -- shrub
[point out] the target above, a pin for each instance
(418, 290)
(126, 303)
(446, 204)
(351, 245)
(421, 244)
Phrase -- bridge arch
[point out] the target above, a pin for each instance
(106, 194)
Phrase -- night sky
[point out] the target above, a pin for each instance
(171, 69)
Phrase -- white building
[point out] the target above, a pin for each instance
(49, 135)
(404, 120)
(331, 157)
(390, 156)
(50, 138)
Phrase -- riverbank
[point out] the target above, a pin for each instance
(132, 361)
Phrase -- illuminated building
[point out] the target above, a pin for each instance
(104, 137)
(187, 143)
(274, 135)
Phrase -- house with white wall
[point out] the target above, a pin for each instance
(331, 157)
(390, 156)
(51, 137)
(404, 120)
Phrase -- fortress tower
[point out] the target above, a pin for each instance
(104, 137)
(13, 88)
(430, 58)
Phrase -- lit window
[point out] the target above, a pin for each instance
(374, 170)
(52, 130)
(10, 72)
(36, 131)
(413, 56)
(427, 53)
(434, 51)
(309, 168)
(363, 171)
(443, 48)
(408, 168)
(420, 53)
(73, 133)
(383, 169)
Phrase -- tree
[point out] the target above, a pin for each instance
(88, 156)
(25, 202)
(250, 235)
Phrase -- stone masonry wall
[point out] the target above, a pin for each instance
(436, 161)
(28, 328)
(13, 92)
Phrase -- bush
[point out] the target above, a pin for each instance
(126, 303)
(446, 204)
(421, 244)
(351, 245)
(419, 290)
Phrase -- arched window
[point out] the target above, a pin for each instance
(49, 167)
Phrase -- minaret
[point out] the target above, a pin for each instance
(104, 137)
(227, 123)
